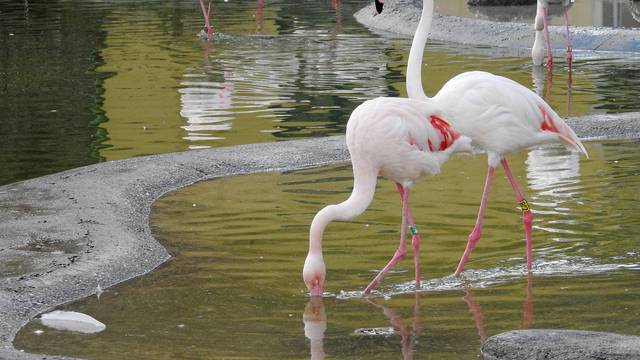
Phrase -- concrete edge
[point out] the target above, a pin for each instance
(72, 231)
(402, 17)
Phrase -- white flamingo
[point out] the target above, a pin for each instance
(540, 25)
(402, 140)
(498, 114)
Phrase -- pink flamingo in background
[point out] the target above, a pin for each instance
(541, 23)
(206, 13)
(498, 114)
(402, 140)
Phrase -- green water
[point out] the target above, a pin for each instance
(88, 81)
(234, 290)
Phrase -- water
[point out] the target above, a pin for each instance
(607, 13)
(234, 289)
(88, 81)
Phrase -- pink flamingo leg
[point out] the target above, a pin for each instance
(206, 13)
(477, 230)
(546, 33)
(415, 242)
(401, 252)
(527, 216)
(569, 51)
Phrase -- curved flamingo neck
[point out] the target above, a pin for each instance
(364, 187)
(414, 67)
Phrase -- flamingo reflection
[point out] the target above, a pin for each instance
(315, 321)
(315, 324)
(400, 326)
(539, 80)
(477, 315)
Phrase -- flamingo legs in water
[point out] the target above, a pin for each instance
(206, 13)
(401, 252)
(477, 230)
(527, 217)
(546, 32)
(569, 51)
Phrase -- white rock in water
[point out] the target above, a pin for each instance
(72, 321)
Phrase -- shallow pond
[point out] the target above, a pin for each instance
(88, 81)
(234, 290)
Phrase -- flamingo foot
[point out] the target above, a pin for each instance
(397, 257)
(471, 244)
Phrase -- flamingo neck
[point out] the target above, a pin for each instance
(364, 187)
(414, 67)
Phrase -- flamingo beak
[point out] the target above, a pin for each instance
(577, 145)
(316, 290)
(379, 5)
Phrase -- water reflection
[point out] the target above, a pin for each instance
(257, 87)
(478, 317)
(315, 324)
(50, 103)
(412, 329)
(542, 80)
(409, 336)
(207, 107)
(475, 311)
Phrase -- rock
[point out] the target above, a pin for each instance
(72, 321)
(561, 344)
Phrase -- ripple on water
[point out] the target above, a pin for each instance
(483, 278)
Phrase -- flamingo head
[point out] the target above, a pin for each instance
(379, 5)
(314, 273)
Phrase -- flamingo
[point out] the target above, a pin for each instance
(498, 114)
(402, 140)
(542, 14)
